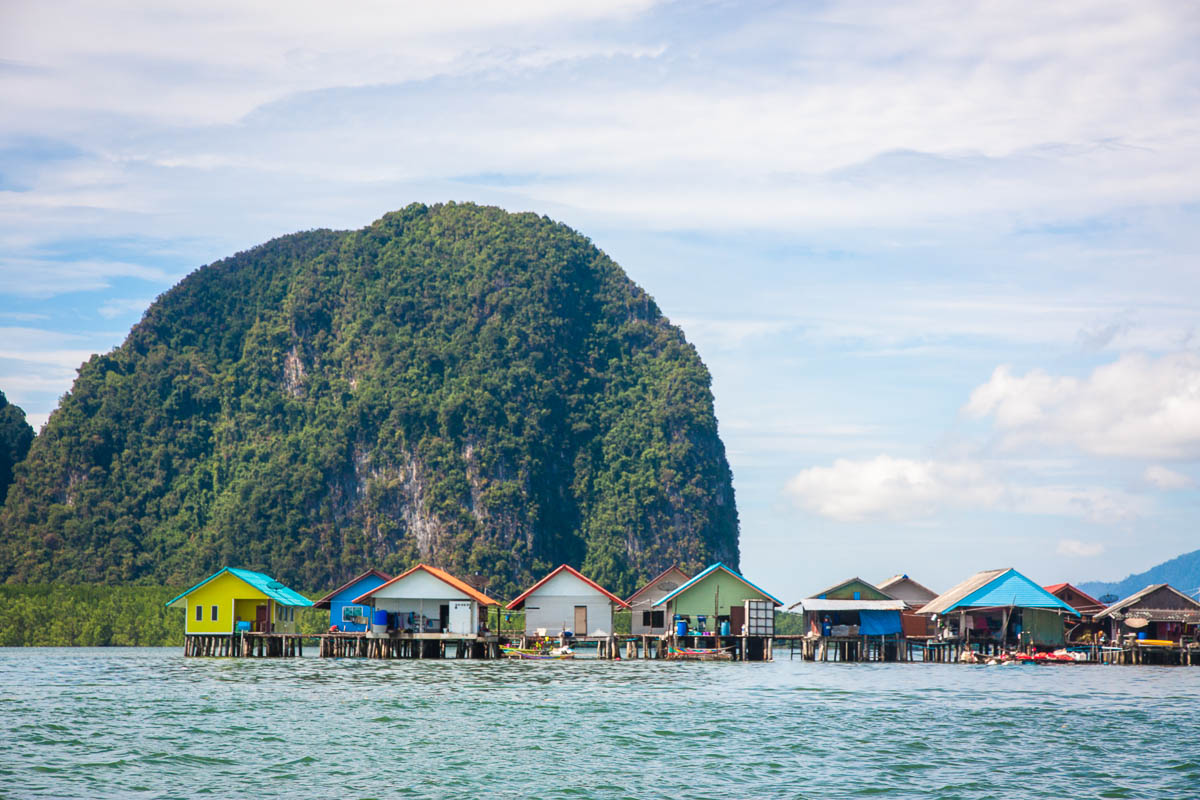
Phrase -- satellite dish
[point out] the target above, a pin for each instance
(1136, 622)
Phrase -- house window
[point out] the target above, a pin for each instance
(350, 612)
(646, 619)
(214, 613)
(657, 620)
(199, 613)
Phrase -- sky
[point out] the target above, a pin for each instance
(941, 258)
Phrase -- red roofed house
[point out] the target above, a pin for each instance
(565, 600)
(1084, 603)
(1085, 629)
(427, 600)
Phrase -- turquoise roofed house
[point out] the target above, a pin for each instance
(716, 595)
(233, 599)
(1002, 607)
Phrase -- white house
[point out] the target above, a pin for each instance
(564, 600)
(427, 600)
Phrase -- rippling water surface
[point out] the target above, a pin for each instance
(150, 723)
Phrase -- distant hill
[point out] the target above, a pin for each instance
(15, 437)
(1182, 572)
(456, 384)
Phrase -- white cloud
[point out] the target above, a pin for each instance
(904, 489)
(1162, 478)
(1076, 548)
(819, 117)
(118, 307)
(1136, 407)
(40, 277)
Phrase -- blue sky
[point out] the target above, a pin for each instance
(940, 258)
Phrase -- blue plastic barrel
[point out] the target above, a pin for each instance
(380, 617)
(1141, 634)
(680, 628)
(725, 628)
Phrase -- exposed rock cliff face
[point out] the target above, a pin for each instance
(483, 390)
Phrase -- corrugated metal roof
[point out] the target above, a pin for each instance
(993, 589)
(441, 575)
(710, 570)
(1117, 610)
(945, 600)
(520, 601)
(817, 604)
(325, 601)
(263, 583)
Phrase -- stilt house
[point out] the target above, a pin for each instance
(646, 618)
(345, 614)
(428, 601)
(851, 608)
(716, 595)
(1000, 606)
(235, 599)
(1158, 613)
(905, 588)
(1085, 629)
(566, 601)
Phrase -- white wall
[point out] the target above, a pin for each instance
(645, 602)
(422, 584)
(429, 607)
(552, 607)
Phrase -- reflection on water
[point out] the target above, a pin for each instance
(150, 723)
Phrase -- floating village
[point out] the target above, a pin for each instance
(997, 617)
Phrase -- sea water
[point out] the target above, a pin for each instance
(149, 723)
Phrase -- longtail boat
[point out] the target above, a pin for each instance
(535, 654)
(700, 654)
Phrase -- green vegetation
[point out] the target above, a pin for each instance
(88, 616)
(56, 615)
(484, 391)
(15, 437)
(788, 623)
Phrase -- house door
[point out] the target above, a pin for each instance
(261, 620)
(460, 618)
(443, 618)
(581, 620)
(737, 618)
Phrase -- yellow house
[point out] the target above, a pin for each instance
(221, 601)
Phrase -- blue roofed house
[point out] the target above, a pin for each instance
(344, 613)
(1000, 606)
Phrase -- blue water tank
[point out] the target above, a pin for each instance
(680, 628)
(725, 627)
(1141, 634)
(380, 617)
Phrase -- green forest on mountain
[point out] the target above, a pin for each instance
(484, 391)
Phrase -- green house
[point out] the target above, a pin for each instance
(853, 589)
(718, 594)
